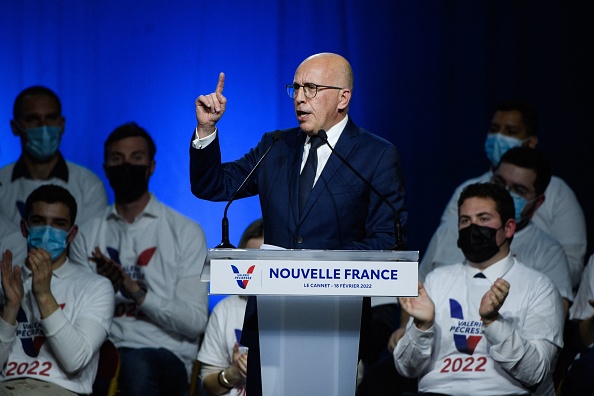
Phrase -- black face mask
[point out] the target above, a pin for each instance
(478, 243)
(128, 181)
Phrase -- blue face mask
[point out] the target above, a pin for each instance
(497, 144)
(48, 238)
(519, 203)
(43, 141)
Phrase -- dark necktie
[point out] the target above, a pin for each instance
(480, 275)
(308, 174)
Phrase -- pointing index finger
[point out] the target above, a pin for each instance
(221, 83)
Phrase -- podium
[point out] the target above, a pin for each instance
(309, 309)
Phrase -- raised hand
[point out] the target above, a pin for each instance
(210, 109)
(241, 362)
(40, 264)
(238, 369)
(493, 300)
(395, 337)
(421, 308)
(108, 268)
(12, 285)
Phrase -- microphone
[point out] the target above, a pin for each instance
(397, 226)
(225, 244)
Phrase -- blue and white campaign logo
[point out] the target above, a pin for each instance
(243, 279)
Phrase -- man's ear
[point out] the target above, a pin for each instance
(15, 128)
(510, 228)
(151, 167)
(539, 201)
(532, 141)
(63, 124)
(345, 99)
(72, 234)
(24, 230)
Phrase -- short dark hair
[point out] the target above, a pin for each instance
(32, 91)
(130, 129)
(529, 158)
(528, 113)
(504, 204)
(254, 230)
(50, 193)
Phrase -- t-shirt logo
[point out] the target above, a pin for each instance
(31, 335)
(462, 330)
(143, 258)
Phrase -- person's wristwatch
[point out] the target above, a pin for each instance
(137, 295)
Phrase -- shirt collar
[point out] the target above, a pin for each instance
(495, 270)
(60, 171)
(151, 209)
(334, 132)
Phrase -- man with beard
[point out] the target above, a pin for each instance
(154, 257)
(488, 325)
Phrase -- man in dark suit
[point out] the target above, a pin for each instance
(341, 211)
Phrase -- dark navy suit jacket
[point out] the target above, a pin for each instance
(342, 212)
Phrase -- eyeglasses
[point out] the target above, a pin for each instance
(514, 188)
(310, 90)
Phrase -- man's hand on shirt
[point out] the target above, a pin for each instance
(493, 300)
(108, 268)
(210, 109)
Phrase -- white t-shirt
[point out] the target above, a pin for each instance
(560, 215)
(85, 187)
(458, 356)
(6, 227)
(11, 238)
(222, 332)
(165, 251)
(77, 330)
(581, 309)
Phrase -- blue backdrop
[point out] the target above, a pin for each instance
(427, 74)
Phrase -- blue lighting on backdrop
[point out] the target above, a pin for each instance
(426, 77)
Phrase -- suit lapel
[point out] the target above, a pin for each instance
(345, 144)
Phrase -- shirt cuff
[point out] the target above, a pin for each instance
(498, 331)
(54, 323)
(199, 144)
(423, 338)
(6, 331)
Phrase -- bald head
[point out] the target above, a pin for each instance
(328, 104)
(336, 68)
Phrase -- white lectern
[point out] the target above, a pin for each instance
(309, 309)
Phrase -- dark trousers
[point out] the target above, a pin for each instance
(151, 372)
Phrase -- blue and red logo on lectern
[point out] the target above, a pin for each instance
(243, 279)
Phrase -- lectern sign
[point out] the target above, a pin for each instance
(313, 278)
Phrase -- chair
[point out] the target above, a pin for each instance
(108, 370)
(195, 387)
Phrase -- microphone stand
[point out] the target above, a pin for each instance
(225, 243)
